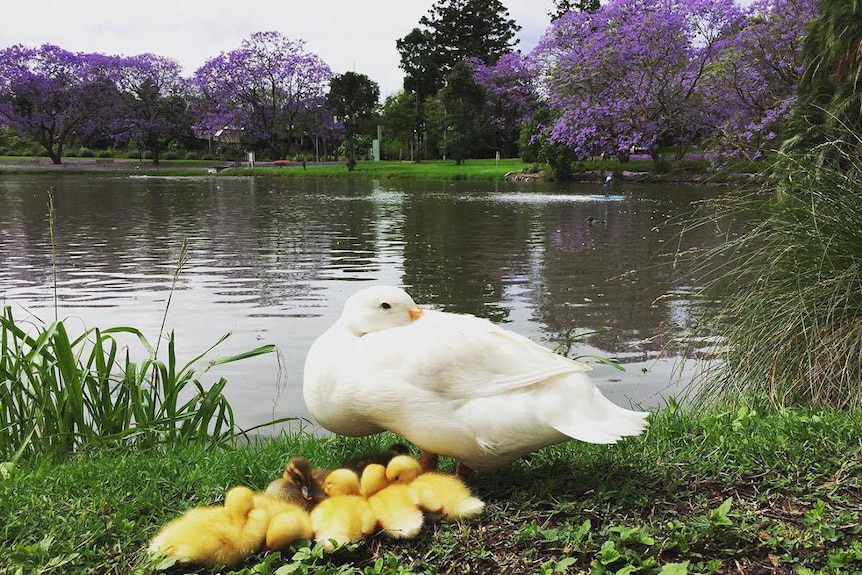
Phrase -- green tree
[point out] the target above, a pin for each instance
(464, 29)
(422, 77)
(352, 98)
(462, 100)
(453, 31)
(397, 120)
(830, 102)
(564, 6)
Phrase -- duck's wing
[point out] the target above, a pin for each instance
(462, 357)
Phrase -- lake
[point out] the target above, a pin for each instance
(271, 260)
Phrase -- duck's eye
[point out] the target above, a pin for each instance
(385, 305)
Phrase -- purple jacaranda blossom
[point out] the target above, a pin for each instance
(510, 94)
(628, 75)
(50, 95)
(267, 88)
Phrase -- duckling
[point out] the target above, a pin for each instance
(300, 484)
(359, 463)
(211, 536)
(395, 506)
(344, 516)
(437, 493)
(288, 521)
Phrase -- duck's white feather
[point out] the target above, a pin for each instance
(456, 385)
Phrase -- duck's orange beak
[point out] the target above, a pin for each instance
(415, 313)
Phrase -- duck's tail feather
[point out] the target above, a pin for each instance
(593, 418)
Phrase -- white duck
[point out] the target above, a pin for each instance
(452, 384)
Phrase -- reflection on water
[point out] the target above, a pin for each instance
(271, 260)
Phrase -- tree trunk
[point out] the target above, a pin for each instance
(681, 148)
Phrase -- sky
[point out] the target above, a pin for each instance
(349, 35)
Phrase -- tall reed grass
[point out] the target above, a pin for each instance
(59, 393)
(785, 286)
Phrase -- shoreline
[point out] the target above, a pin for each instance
(475, 169)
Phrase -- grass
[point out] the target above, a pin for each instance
(737, 491)
(427, 170)
(481, 169)
(784, 286)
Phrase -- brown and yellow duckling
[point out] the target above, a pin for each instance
(300, 484)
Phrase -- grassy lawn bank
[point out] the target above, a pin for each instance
(486, 169)
(723, 492)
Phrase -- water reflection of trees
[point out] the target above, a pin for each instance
(610, 270)
(273, 243)
(462, 254)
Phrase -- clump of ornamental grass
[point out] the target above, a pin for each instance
(784, 287)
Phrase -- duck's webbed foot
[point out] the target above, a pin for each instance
(428, 461)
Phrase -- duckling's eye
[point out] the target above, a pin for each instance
(385, 305)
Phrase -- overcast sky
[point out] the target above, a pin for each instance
(347, 34)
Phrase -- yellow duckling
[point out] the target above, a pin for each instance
(211, 536)
(394, 505)
(344, 516)
(437, 493)
(360, 462)
(288, 521)
(300, 484)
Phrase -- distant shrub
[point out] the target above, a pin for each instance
(192, 156)
(86, 153)
(171, 156)
(106, 154)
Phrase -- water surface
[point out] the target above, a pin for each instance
(272, 260)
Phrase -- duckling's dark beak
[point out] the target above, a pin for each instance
(415, 313)
(305, 493)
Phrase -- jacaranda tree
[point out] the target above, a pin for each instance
(50, 95)
(628, 75)
(510, 98)
(269, 89)
(751, 84)
(154, 102)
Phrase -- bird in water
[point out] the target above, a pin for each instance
(452, 384)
